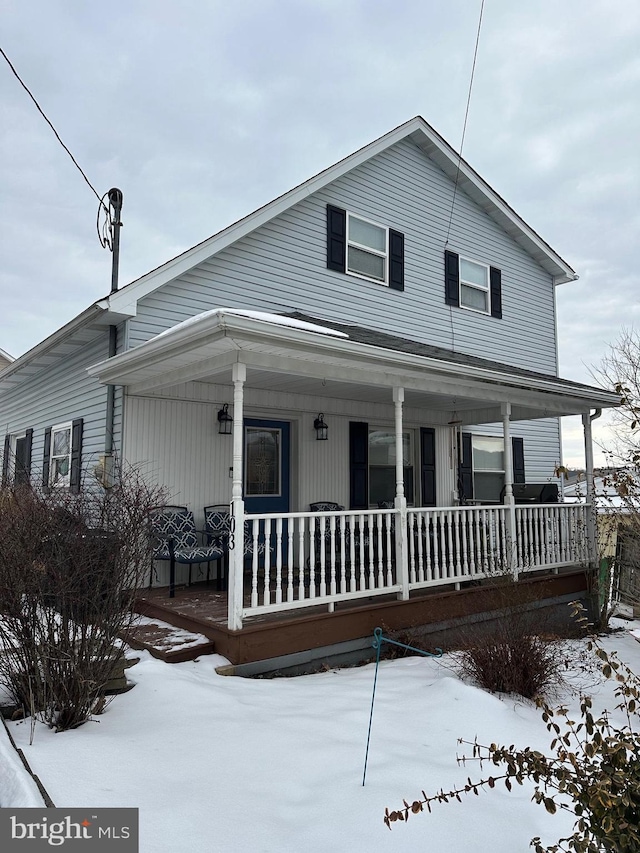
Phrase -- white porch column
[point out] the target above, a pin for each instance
(512, 549)
(236, 561)
(591, 497)
(402, 551)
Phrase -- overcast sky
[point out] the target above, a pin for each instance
(203, 110)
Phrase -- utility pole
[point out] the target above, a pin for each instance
(115, 224)
(115, 202)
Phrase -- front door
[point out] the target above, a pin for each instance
(266, 466)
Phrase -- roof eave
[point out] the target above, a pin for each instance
(98, 312)
(231, 325)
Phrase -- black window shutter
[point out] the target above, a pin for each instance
(5, 459)
(46, 458)
(27, 455)
(359, 465)
(22, 470)
(396, 260)
(465, 469)
(517, 452)
(336, 238)
(451, 278)
(428, 465)
(495, 282)
(76, 456)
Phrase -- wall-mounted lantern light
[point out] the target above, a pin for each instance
(224, 420)
(322, 430)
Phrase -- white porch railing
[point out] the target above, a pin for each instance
(455, 544)
(303, 559)
(551, 535)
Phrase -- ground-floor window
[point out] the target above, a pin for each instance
(488, 467)
(382, 466)
(60, 470)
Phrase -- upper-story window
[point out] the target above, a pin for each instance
(474, 286)
(366, 248)
(359, 247)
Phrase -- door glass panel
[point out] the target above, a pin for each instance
(263, 461)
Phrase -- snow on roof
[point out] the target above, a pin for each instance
(264, 316)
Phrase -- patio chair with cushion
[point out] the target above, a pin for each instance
(176, 539)
(319, 532)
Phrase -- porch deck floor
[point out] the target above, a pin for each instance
(202, 609)
(206, 604)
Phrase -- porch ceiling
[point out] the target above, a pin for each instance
(290, 354)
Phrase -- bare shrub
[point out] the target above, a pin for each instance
(513, 662)
(70, 566)
(515, 652)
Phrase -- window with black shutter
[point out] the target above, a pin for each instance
(482, 467)
(365, 249)
(16, 461)
(62, 462)
(472, 285)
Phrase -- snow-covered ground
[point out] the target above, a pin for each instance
(239, 765)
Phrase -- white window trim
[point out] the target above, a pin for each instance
(64, 482)
(362, 247)
(14, 438)
(474, 285)
(412, 462)
(475, 470)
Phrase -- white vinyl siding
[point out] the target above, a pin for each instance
(283, 264)
(58, 395)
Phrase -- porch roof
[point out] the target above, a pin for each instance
(297, 353)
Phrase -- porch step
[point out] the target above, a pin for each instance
(167, 642)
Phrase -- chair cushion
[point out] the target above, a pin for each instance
(326, 506)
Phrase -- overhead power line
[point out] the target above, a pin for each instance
(464, 126)
(57, 135)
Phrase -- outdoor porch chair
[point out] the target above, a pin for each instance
(218, 527)
(176, 539)
(320, 532)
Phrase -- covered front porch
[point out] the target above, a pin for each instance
(276, 374)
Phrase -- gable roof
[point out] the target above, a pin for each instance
(118, 306)
(434, 147)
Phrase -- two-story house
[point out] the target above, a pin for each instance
(381, 341)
